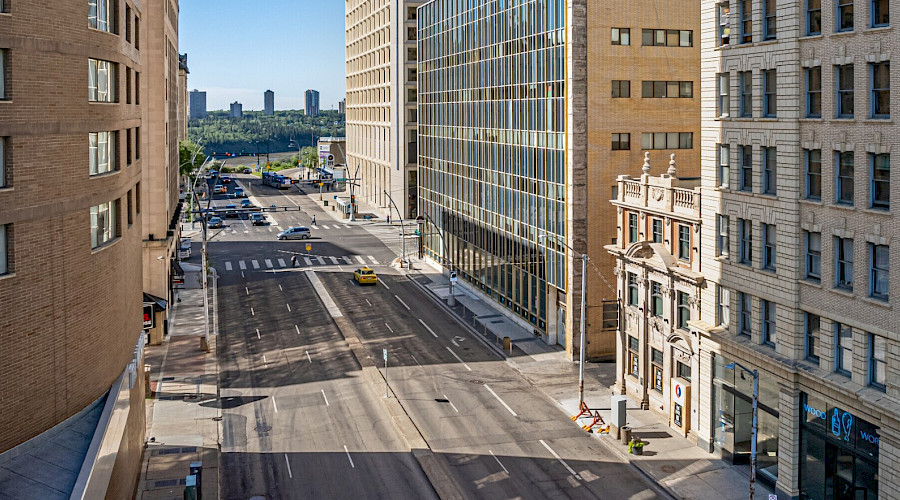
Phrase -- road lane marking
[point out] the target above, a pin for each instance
(333, 260)
(347, 260)
(346, 226)
(323, 294)
(265, 362)
(498, 399)
(416, 360)
(467, 368)
(571, 471)
(290, 474)
(242, 265)
(453, 341)
(309, 358)
(251, 312)
(242, 274)
(367, 302)
(323, 226)
(321, 260)
(348, 456)
(279, 287)
(373, 260)
(384, 284)
(498, 461)
(274, 405)
(451, 403)
(257, 334)
(389, 327)
(289, 307)
(326, 398)
(269, 263)
(227, 266)
(297, 328)
(247, 290)
(360, 259)
(308, 262)
(282, 263)
(428, 328)
(255, 264)
(401, 301)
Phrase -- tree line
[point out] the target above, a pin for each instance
(257, 132)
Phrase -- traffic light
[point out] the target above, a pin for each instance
(353, 199)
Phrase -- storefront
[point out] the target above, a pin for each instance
(838, 452)
(732, 404)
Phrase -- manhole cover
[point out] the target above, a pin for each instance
(476, 382)
(668, 469)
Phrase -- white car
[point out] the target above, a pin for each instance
(294, 233)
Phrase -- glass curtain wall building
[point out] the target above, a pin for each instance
(492, 139)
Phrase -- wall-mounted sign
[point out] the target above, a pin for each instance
(840, 425)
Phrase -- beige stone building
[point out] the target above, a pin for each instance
(72, 190)
(381, 101)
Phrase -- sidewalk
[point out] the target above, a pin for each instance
(671, 461)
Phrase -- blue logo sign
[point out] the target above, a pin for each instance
(841, 424)
(814, 411)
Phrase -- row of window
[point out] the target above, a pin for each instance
(103, 16)
(654, 89)
(655, 140)
(655, 37)
(878, 260)
(768, 243)
(843, 337)
(683, 235)
(102, 149)
(656, 308)
(681, 370)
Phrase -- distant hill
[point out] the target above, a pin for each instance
(219, 133)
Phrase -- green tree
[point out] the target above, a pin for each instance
(190, 157)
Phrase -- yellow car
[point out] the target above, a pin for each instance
(365, 276)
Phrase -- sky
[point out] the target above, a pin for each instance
(238, 49)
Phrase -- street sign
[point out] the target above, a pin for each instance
(308, 247)
(385, 354)
(453, 277)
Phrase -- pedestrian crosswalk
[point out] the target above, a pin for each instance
(244, 227)
(310, 261)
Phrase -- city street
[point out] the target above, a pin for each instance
(300, 420)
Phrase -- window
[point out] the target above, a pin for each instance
(844, 77)
(768, 321)
(621, 142)
(4, 250)
(137, 32)
(745, 79)
(770, 171)
(683, 370)
(634, 363)
(811, 327)
(845, 177)
(684, 242)
(656, 228)
(667, 38)
(724, 166)
(724, 102)
(770, 14)
(880, 11)
(746, 21)
(723, 238)
(674, 89)
(103, 224)
(3, 58)
(881, 181)
(656, 300)
(684, 310)
(621, 89)
(877, 361)
(632, 289)
(814, 92)
(813, 260)
(769, 246)
(813, 166)
(843, 349)
(813, 17)
(745, 304)
(656, 364)
(770, 93)
(844, 15)
(137, 143)
(881, 90)
(102, 152)
(3, 172)
(137, 198)
(632, 228)
(102, 15)
(843, 260)
(127, 23)
(746, 229)
(723, 11)
(747, 168)
(667, 140)
(137, 87)
(621, 36)
(128, 148)
(879, 271)
(127, 85)
(101, 81)
(723, 306)
(130, 209)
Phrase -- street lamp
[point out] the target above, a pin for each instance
(402, 230)
(755, 424)
(204, 341)
(581, 350)
(451, 300)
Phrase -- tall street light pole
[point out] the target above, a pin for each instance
(402, 231)
(451, 299)
(204, 341)
(755, 421)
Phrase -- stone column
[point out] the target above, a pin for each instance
(788, 442)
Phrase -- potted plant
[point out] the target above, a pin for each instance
(636, 446)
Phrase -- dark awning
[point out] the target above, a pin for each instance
(176, 268)
(156, 302)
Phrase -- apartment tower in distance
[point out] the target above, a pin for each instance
(197, 104)
(312, 103)
(269, 103)
(237, 110)
(381, 102)
(73, 196)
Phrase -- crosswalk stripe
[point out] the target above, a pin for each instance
(308, 262)
(269, 263)
(333, 260)
(373, 260)
(347, 260)
(345, 225)
(321, 260)
(315, 227)
(228, 266)
(281, 263)
(323, 226)
(360, 259)
(242, 265)
(255, 264)
(270, 229)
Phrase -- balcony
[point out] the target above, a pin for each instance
(666, 193)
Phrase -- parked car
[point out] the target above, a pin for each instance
(239, 193)
(225, 179)
(215, 222)
(365, 276)
(220, 189)
(258, 220)
(294, 233)
(184, 250)
(247, 171)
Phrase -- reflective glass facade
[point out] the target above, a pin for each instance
(492, 156)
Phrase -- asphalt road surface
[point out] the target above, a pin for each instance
(300, 420)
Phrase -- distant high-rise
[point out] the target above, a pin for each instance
(342, 106)
(269, 103)
(197, 105)
(237, 110)
(312, 102)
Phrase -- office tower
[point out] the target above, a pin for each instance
(342, 106)
(269, 103)
(381, 102)
(198, 104)
(237, 110)
(183, 99)
(312, 103)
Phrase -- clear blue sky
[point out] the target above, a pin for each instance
(238, 49)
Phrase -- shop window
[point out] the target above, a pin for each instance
(633, 358)
(656, 363)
